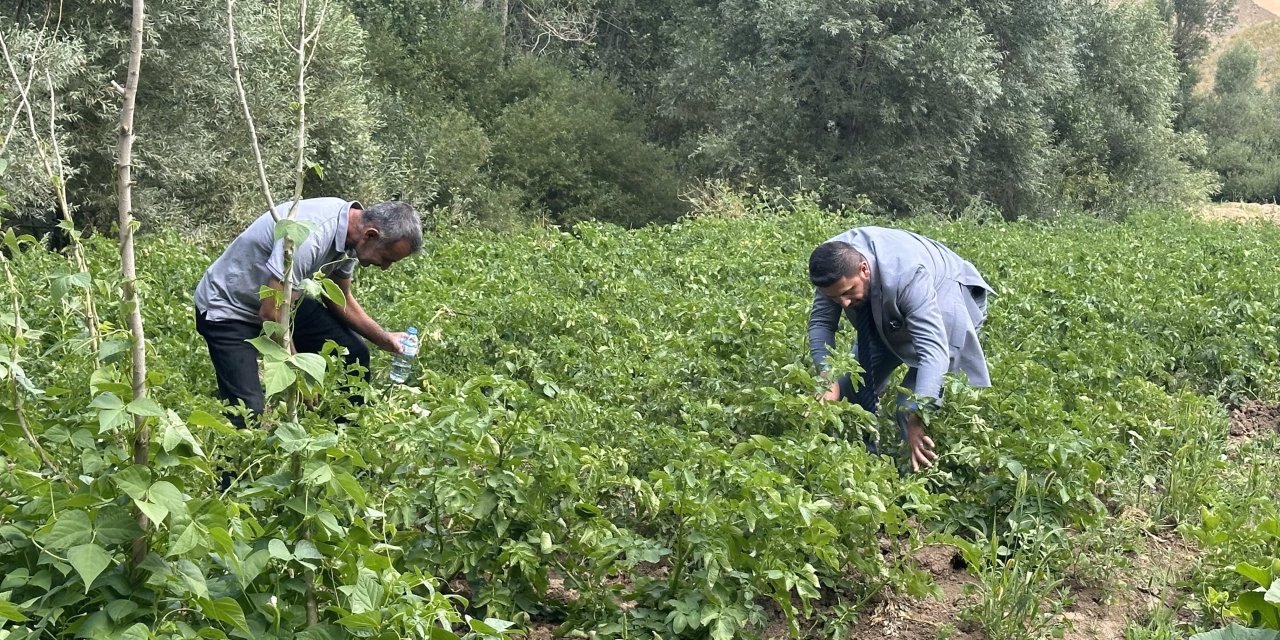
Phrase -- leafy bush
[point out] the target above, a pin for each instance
(1241, 124)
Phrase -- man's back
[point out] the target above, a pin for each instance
(895, 253)
(230, 287)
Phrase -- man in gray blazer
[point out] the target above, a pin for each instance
(912, 301)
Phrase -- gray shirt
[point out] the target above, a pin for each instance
(229, 288)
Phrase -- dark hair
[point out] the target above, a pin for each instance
(832, 261)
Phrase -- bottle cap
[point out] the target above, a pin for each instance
(413, 331)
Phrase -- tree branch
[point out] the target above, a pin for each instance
(58, 179)
(248, 116)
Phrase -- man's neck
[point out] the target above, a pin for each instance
(355, 226)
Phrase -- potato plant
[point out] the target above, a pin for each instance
(614, 433)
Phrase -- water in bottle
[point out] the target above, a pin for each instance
(402, 363)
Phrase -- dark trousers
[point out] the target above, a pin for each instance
(878, 364)
(235, 361)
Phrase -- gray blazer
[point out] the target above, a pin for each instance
(928, 304)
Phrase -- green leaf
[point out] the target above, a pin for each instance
(138, 631)
(347, 485)
(311, 288)
(485, 504)
(489, 626)
(145, 407)
(1237, 632)
(367, 593)
(112, 348)
(295, 230)
(209, 421)
(1273, 593)
(155, 513)
(330, 523)
(72, 528)
(333, 293)
(111, 411)
(133, 480)
(306, 550)
(226, 611)
(291, 436)
(1252, 603)
(61, 283)
(277, 376)
(176, 433)
(362, 623)
(498, 625)
(317, 473)
(10, 611)
(313, 364)
(190, 538)
(89, 560)
(1261, 577)
(193, 577)
(323, 632)
(271, 350)
(115, 525)
(118, 610)
(166, 495)
(279, 550)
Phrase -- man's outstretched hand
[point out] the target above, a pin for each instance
(919, 444)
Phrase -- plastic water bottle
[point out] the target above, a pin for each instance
(402, 363)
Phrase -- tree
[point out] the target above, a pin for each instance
(128, 270)
(1192, 26)
(1241, 124)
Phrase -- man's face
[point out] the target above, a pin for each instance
(372, 251)
(851, 291)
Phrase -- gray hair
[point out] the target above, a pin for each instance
(397, 221)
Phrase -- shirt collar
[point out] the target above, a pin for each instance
(344, 221)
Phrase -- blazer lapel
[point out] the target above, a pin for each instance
(876, 300)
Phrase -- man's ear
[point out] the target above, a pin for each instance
(372, 233)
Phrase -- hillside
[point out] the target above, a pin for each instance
(1257, 23)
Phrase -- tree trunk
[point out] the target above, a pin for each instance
(132, 306)
(504, 14)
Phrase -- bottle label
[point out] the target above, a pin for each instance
(409, 346)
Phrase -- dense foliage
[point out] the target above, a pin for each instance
(495, 111)
(1241, 123)
(614, 432)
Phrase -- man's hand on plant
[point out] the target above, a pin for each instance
(832, 394)
(919, 444)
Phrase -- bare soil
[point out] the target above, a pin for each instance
(1096, 617)
(1151, 583)
(1254, 420)
(541, 631)
(912, 619)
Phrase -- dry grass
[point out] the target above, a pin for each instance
(1262, 35)
(1242, 212)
